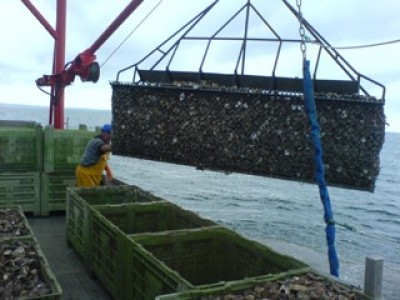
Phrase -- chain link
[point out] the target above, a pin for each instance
(302, 31)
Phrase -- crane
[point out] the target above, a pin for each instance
(83, 65)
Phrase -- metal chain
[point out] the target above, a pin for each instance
(302, 31)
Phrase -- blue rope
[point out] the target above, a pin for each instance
(310, 108)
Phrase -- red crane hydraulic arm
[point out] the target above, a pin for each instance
(84, 65)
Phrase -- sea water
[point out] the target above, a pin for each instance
(286, 215)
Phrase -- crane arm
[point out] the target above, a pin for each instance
(84, 65)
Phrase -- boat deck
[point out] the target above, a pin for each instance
(65, 263)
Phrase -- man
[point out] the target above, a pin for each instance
(94, 160)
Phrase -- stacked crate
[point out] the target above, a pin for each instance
(62, 152)
(21, 152)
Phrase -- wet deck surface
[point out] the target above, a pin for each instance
(65, 263)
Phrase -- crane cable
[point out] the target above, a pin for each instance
(132, 32)
(367, 45)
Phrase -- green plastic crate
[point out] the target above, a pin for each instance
(23, 218)
(241, 286)
(78, 210)
(54, 191)
(63, 148)
(112, 223)
(133, 218)
(47, 274)
(20, 146)
(21, 189)
(18, 124)
(162, 263)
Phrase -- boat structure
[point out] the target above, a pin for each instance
(118, 241)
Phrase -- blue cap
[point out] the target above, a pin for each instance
(106, 128)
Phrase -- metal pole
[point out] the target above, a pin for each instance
(39, 17)
(60, 62)
(114, 25)
(53, 70)
(373, 277)
(246, 31)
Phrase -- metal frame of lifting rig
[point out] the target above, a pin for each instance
(239, 79)
(84, 65)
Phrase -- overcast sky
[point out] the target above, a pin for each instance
(26, 48)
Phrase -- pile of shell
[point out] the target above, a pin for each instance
(134, 194)
(20, 274)
(253, 132)
(305, 287)
(12, 224)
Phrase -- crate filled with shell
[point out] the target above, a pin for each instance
(13, 223)
(24, 271)
(303, 284)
